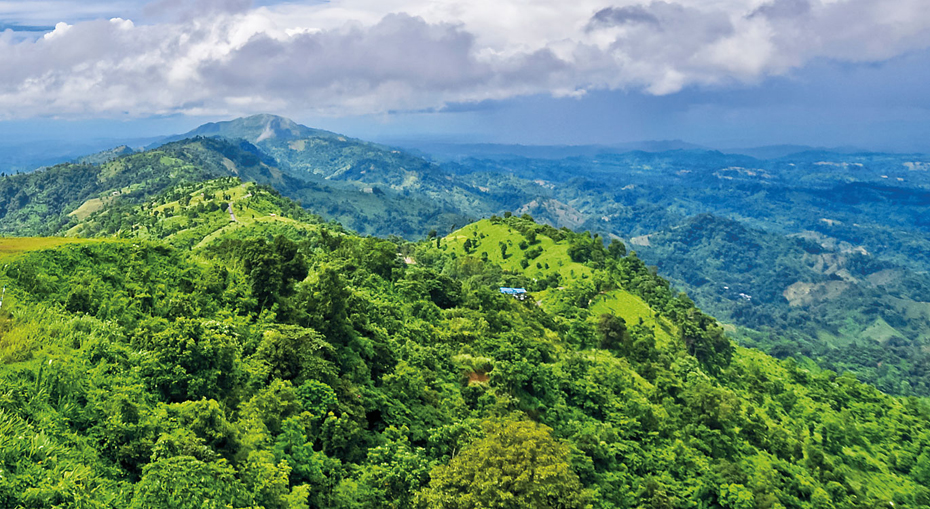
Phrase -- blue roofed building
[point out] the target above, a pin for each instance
(517, 293)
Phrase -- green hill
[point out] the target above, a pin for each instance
(356, 164)
(194, 215)
(816, 255)
(56, 199)
(542, 254)
(323, 369)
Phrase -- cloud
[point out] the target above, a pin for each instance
(186, 9)
(783, 9)
(613, 16)
(376, 56)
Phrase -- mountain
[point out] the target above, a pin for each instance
(780, 151)
(55, 199)
(450, 151)
(255, 129)
(105, 156)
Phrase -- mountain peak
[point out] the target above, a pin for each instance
(257, 128)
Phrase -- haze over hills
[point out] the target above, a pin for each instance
(27, 152)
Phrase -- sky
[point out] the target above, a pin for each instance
(721, 73)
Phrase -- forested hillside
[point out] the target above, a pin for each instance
(290, 364)
(815, 254)
(810, 295)
(56, 199)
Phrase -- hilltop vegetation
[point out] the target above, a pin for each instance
(323, 369)
(56, 199)
(193, 215)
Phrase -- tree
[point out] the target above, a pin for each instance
(272, 268)
(290, 352)
(516, 465)
(184, 482)
(613, 333)
(531, 236)
(323, 300)
(190, 359)
(616, 249)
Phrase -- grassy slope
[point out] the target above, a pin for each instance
(178, 226)
(490, 235)
(33, 326)
(11, 247)
(554, 258)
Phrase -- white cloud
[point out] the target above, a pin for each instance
(372, 56)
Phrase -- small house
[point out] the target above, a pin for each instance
(517, 293)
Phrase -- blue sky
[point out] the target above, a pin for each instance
(722, 73)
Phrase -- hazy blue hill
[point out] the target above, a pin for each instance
(254, 129)
(26, 156)
(823, 299)
(446, 151)
(105, 156)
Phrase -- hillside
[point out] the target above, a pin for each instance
(56, 199)
(809, 294)
(323, 369)
(830, 249)
(194, 215)
(355, 163)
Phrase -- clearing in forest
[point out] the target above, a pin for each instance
(10, 247)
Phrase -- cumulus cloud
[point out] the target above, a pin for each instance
(371, 56)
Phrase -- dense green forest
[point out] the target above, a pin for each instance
(292, 364)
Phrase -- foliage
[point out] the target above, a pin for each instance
(517, 464)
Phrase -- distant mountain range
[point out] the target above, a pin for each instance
(26, 156)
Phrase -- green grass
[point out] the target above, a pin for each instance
(11, 247)
(555, 254)
(490, 235)
(184, 229)
(632, 309)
